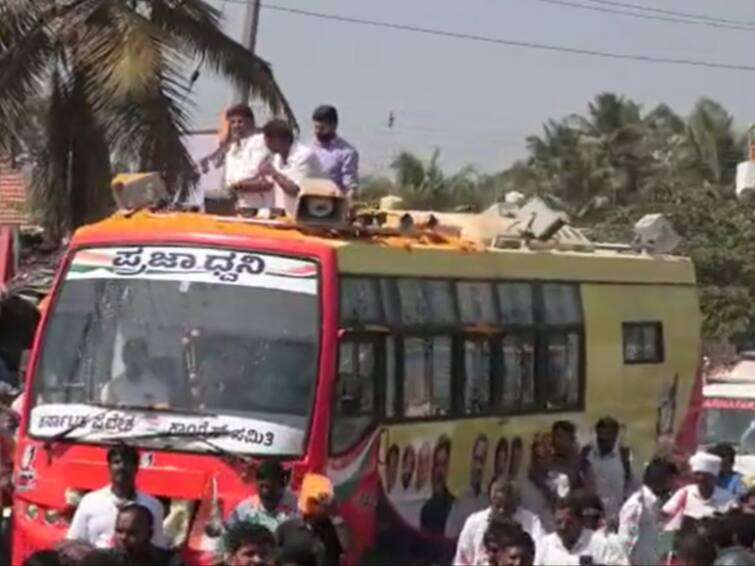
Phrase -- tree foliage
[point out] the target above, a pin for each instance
(609, 167)
(113, 78)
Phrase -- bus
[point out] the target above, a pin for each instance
(404, 361)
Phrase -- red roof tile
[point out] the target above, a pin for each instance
(13, 210)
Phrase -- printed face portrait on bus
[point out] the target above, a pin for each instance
(408, 464)
(441, 464)
(515, 462)
(391, 467)
(477, 465)
(424, 465)
(501, 461)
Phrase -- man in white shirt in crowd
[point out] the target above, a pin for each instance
(611, 467)
(292, 162)
(504, 506)
(476, 497)
(639, 516)
(96, 514)
(136, 386)
(245, 154)
(702, 498)
(572, 543)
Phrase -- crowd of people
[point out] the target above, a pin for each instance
(263, 168)
(583, 506)
(120, 525)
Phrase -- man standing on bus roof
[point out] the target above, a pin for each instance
(475, 498)
(136, 386)
(245, 154)
(292, 162)
(272, 504)
(339, 159)
(95, 517)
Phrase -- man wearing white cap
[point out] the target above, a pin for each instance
(703, 497)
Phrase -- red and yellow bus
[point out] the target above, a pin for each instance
(409, 367)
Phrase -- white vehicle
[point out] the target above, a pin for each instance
(728, 411)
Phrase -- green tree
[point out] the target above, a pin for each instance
(113, 77)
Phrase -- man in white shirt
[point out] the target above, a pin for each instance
(95, 516)
(639, 517)
(611, 467)
(136, 386)
(245, 154)
(572, 543)
(700, 499)
(504, 505)
(292, 162)
(476, 497)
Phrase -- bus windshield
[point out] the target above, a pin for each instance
(147, 342)
(731, 426)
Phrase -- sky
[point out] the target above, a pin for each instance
(477, 102)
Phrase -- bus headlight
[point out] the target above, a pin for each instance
(51, 516)
(73, 497)
(32, 511)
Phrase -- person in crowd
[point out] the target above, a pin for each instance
(638, 520)
(703, 497)
(339, 160)
(134, 526)
(476, 498)
(136, 386)
(391, 468)
(434, 512)
(572, 543)
(245, 153)
(728, 479)
(95, 517)
(504, 506)
(320, 525)
(747, 502)
(249, 544)
(43, 558)
(695, 550)
(572, 472)
(272, 504)
(507, 544)
(291, 163)
(611, 467)
(537, 495)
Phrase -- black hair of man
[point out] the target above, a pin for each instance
(573, 502)
(588, 500)
(43, 558)
(717, 530)
(742, 526)
(297, 552)
(240, 110)
(723, 450)
(607, 423)
(127, 453)
(103, 557)
(271, 470)
(696, 549)
(278, 129)
(657, 470)
(138, 509)
(244, 533)
(564, 426)
(505, 533)
(326, 114)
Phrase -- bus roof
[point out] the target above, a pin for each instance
(414, 253)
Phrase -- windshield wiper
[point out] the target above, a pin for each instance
(202, 436)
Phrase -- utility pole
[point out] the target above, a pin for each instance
(249, 39)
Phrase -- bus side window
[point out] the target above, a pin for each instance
(427, 377)
(477, 372)
(518, 361)
(354, 401)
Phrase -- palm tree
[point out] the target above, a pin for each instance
(713, 147)
(112, 74)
